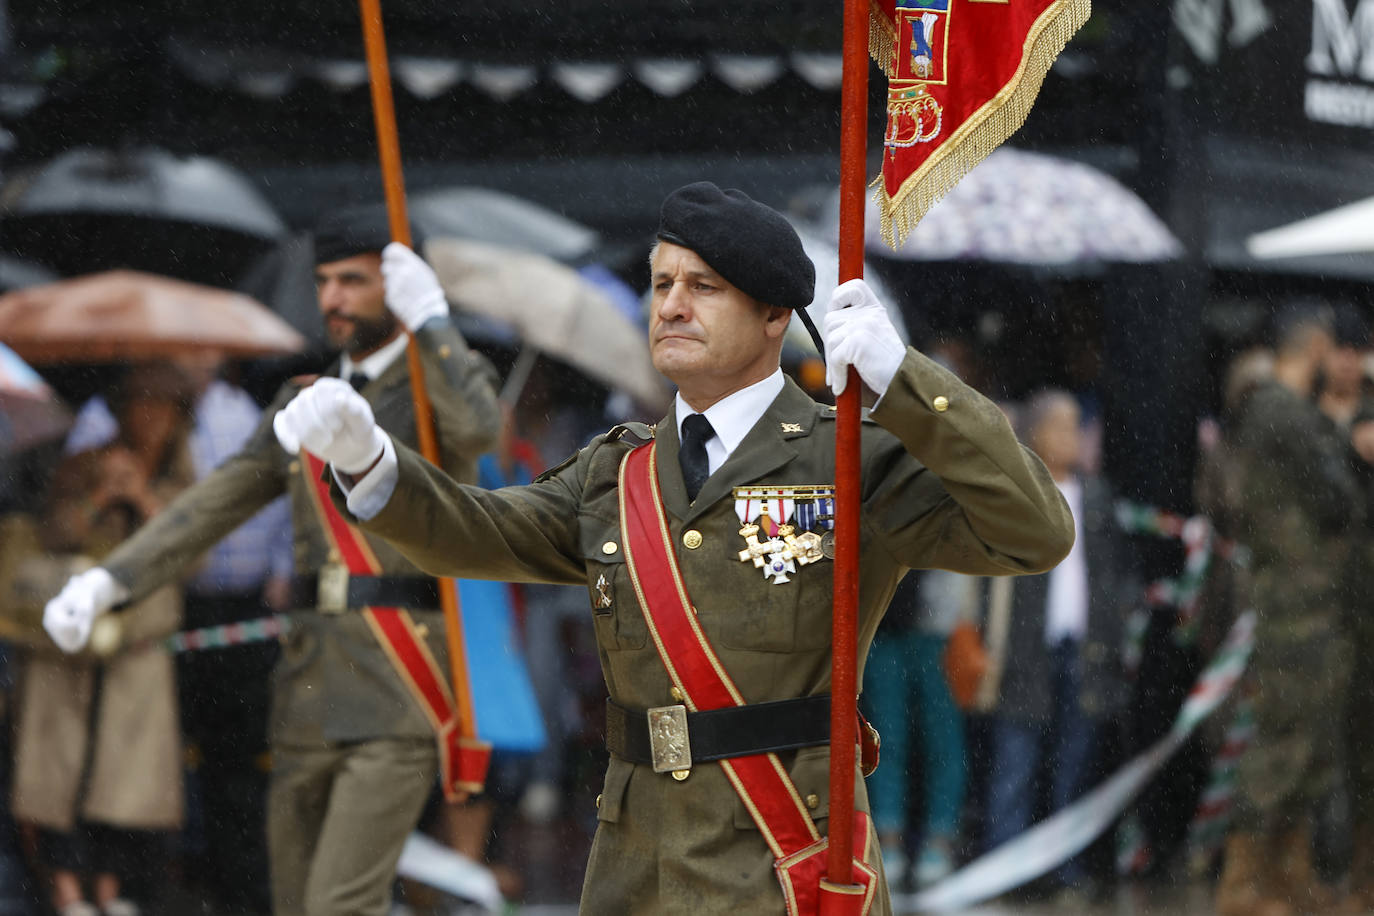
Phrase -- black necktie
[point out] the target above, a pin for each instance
(696, 432)
(358, 380)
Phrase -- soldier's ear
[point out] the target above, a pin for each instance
(775, 320)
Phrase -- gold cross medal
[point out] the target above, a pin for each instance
(804, 548)
(766, 510)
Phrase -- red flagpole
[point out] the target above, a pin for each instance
(844, 687)
(389, 152)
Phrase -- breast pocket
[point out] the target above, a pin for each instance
(615, 611)
(756, 612)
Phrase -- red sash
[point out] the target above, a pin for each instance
(462, 759)
(760, 779)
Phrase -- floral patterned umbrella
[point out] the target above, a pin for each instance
(1018, 207)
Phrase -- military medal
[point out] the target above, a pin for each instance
(757, 551)
(804, 548)
(784, 516)
(779, 565)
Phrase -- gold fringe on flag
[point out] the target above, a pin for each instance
(882, 38)
(985, 130)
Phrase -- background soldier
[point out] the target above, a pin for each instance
(945, 483)
(1297, 501)
(354, 756)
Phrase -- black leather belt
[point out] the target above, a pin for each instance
(735, 731)
(366, 591)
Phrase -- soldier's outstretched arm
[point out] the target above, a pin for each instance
(213, 507)
(171, 541)
(945, 482)
(517, 534)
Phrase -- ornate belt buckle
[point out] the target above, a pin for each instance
(668, 743)
(331, 591)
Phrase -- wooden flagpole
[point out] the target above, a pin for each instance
(389, 152)
(844, 693)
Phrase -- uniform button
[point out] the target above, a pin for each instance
(692, 539)
(445, 351)
(609, 548)
(813, 801)
(598, 801)
(294, 467)
(680, 775)
(941, 403)
(422, 630)
(677, 693)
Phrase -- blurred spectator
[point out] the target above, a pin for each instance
(1297, 501)
(98, 757)
(225, 693)
(1217, 495)
(1346, 398)
(1062, 678)
(908, 700)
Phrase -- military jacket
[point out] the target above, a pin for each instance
(1299, 507)
(945, 484)
(334, 682)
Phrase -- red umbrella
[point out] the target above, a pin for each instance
(125, 315)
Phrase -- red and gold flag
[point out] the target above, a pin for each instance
(962, 76)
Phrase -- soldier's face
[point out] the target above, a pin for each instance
(705, 334)
(352, 301)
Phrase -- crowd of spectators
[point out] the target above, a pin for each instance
(128, 753)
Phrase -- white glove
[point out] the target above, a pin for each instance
(413, 292)
(331, 420)
(858, 333)
(68, 617)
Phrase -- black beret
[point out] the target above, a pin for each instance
(749, 244)
(354, 231)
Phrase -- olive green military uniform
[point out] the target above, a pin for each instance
(1298, 505)
(1359, 606)
(353, 755)
(945, 484)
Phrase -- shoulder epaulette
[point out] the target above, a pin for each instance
(828, 412)
(635, 434)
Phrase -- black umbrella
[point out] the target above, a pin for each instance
(86, 210)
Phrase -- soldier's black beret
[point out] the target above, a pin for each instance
(749, 244)
(353, 231)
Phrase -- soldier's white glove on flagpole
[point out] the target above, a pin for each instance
(858, 333)
(68, 618)
(333, 422)
(413, 293)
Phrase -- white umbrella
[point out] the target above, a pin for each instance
(553, 309)
(1344, 230)
(498, 218)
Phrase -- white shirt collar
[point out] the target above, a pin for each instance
(376, 363)
(733, 416)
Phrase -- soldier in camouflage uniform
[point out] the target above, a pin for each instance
(1298, 497)
(1347, 401)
